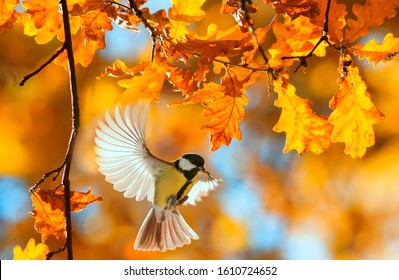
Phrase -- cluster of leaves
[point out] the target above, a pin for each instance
(237, 56)
(187, 60)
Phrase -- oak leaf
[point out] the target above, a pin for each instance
(354, 114)
(372, 13)
(31, 251)
(305, 131)
(294, 38)
(88, 28)
(41, 19)
(182, 14)
(8, 15)
(337, 19)
(374, 52)
(207, 50)
(295, 8)
(49, 208)
(145, 87)
(224, 105)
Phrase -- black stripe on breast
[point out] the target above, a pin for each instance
(182, 190)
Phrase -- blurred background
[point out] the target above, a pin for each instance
(271, 206)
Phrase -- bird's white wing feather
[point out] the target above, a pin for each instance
(123, 156)
(204, 184)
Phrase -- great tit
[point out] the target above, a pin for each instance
(127, 163)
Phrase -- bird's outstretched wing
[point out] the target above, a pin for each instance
(123, 156)
(204, 184)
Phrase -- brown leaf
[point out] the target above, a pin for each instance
(49, 208)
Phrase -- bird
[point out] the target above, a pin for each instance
(126, 162)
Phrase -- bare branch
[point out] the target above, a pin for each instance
(51, 59)
(75, 127)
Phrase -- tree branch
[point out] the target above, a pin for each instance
(303, 60)
(75, 127)
(51, 59)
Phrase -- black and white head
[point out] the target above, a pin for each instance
(190, 165)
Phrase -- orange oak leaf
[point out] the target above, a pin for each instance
(120, 70)
(49, 208)
(88, 27)
(226, 111)
(337, 19)
(305, 131)
(8, 15)
(294, 38)
(372, 13)
(182, 14)
(31, 251)
(374, 52)
(224, 104)
(354, 114)
(295, 8)
(145, 87)
(208, 50)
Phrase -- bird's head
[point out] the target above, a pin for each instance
(190, 162)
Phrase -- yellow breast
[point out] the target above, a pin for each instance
(169, 183)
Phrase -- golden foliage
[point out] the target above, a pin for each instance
(212, 66)
(305, 130)
(31, 251)
(354, 114)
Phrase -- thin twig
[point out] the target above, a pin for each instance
(51, 59)
(248, 19)
(52, 253)
(75, 127)
(139, 14)
(46, 175)
(303, 60)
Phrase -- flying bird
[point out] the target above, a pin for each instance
(128, 164)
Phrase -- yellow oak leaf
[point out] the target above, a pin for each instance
(31, 251)
(143, 88)
(374, 52)
(49, 208)
(354, 114)
(182, 14)
(372, 13)
(42, 19)
(305, 131)
(8, 15)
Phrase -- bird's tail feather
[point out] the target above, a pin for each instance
(170, 232)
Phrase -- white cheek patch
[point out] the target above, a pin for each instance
(186, 165)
